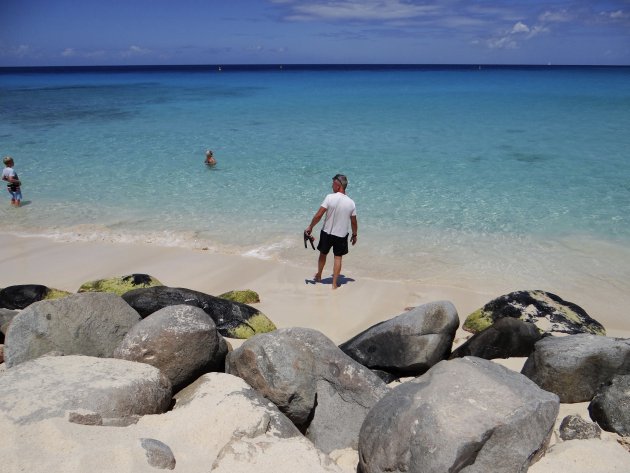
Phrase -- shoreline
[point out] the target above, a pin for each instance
(287, 296)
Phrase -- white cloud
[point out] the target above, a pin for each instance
(357, 10)
(558, 16)
(73, 52)
(519, 27)
(135, 51)
(617, 15)
(505, 42)
(21, 50)
(536, 30)
(519, 32)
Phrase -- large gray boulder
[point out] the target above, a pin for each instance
(90, 324)
(181, 340)
(51, 386)
(573, 367)
(236, 408)
(214, 412)
(321, 389)
(408, 344)
(610, 407)
(549, 312)
(468, 415)
(233, 319)
(506, 338)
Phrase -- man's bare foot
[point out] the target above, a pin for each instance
(335, 287)
(317, 278)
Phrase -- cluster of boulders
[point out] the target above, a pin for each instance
(148, 374)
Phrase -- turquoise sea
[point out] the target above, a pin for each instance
(459, 173)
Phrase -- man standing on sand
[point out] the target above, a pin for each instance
(340, 210)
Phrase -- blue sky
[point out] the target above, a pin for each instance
(121, 32)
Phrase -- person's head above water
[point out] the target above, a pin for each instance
(209, 153)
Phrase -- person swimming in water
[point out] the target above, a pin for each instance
(210, 161)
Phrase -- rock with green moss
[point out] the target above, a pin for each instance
(257, 323)
(120, 285)
(549, 312)
(246, 296)
(233, 319)
(22, 295)
(56, 293)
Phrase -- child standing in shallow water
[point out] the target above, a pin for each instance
(13, 182)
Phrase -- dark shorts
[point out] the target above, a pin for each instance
(338, 244)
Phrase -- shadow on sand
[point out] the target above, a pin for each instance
(341, 280)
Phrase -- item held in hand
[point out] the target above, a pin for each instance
(310, 238)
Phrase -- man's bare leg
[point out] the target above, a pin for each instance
(336, 271)
(321, 262)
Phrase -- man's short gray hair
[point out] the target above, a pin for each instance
(341, 179)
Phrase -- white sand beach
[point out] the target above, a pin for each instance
(290, 300)
(287, 295)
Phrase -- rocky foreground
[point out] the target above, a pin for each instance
(143, 379)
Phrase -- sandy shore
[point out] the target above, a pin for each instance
(287, 294)
(289, 299)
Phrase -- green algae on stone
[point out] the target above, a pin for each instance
(120, 285)
(246, 296)
(257, 323)
(56, 293)
(478, 321)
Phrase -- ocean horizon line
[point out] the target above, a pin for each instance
(300, 67)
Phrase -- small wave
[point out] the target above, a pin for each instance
(270, 251)
(103, 234)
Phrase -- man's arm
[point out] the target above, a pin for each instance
(316, 218)
(355, 227)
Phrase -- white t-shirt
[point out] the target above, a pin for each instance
(8, 173)
(339, 208)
